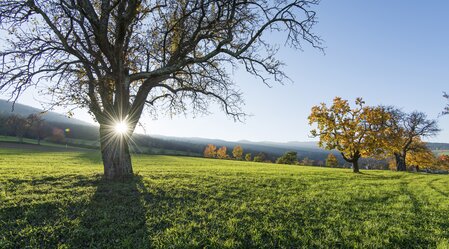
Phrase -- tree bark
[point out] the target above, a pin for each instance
(355, 166)
(115, 154)
(400, 162)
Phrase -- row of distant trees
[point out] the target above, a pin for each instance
(290, 157)
(32, 126)
(211, 151)
(373, 131)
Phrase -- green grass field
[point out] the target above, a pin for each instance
(59, 200)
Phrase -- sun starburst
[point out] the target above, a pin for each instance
(121, 127)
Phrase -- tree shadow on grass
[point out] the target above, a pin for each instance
(114, 218)
(431, 184)
(56, 212)
(417, 219)
(90, 157)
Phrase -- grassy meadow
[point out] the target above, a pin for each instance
(57, 199)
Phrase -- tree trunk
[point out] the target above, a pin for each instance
(355, 166)
(115, 154)
(400, 162)
(354, 160)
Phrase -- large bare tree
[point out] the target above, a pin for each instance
(115, 57)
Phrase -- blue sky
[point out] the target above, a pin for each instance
(388, 52)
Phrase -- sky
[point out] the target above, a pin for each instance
(388, 52)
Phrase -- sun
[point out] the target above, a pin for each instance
(121, 127)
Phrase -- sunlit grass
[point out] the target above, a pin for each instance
(60, 200)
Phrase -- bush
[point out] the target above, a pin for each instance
(290, 157)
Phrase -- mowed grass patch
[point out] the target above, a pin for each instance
(59, 199)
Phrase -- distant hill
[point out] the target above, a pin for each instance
(189, 145)
(6, 109)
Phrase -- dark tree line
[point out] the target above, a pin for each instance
(32, 126)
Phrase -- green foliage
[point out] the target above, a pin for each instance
(248, 157)
(290, 157)
(331, 160)
(260, 157)
(58, 199)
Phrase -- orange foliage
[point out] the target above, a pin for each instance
(221, 153)
(210, 151)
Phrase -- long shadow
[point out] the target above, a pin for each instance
(432, 186)
(90, 157)
(418, 221)
(114, 218)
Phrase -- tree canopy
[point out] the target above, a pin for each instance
(290, 157)
(352, 131)
(210, 151)
(237, 152)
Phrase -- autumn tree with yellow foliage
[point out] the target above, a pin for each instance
(404, 134)
(221, 153)
(331, 160)
(210, 151)
(421, 157)
(237, 152)
(354, 132)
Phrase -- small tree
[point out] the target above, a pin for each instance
(443, 162)
(221, 153)
(443, 158)
(3, 125)
(307, 162)
(331, 160)
(352, 131)
(237, 152)
(36, 126)
(248, 157)
(58, 135)
(210, 151)
(290, 157)
(260, 157)
(18, 126)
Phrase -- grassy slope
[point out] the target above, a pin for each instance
(58, 199)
